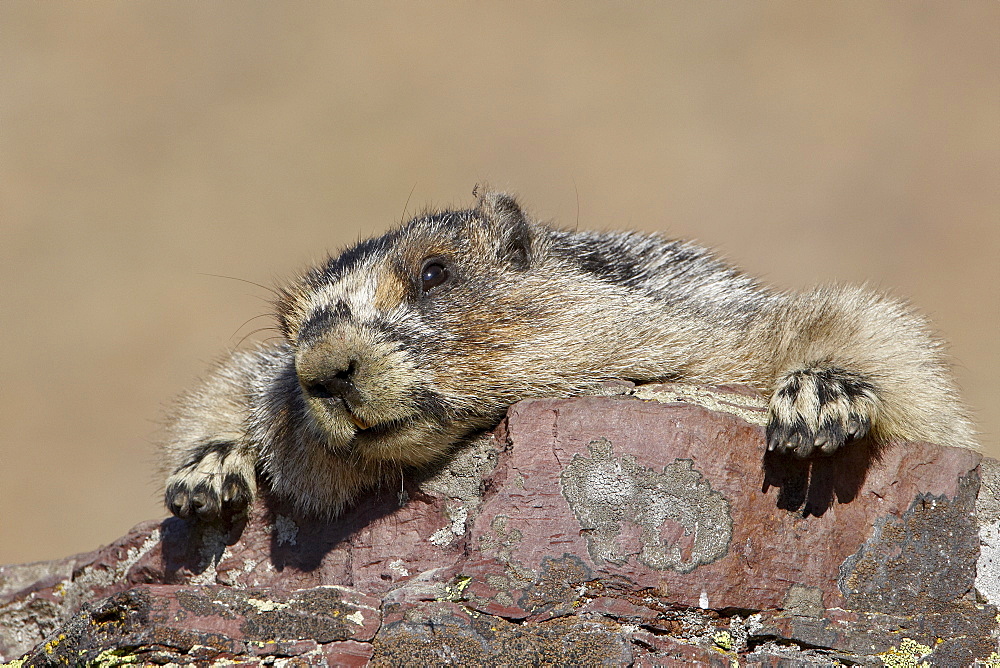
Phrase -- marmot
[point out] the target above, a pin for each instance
(406, 344)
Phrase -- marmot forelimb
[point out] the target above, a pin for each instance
(407, 343)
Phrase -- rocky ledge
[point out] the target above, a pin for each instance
(645, 527)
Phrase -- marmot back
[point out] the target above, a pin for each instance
(408, 343)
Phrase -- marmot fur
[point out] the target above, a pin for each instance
(406, 344)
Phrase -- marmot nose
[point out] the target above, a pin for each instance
(336, 384)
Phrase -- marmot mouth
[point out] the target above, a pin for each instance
(366, 438)
(358, 422)
(352, 416)
(337, 413)
(375, 429)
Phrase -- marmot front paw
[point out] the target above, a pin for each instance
(815, 411)
(218, 481)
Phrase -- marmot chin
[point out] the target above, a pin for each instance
(406, 344)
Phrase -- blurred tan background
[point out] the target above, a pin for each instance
(144, 145)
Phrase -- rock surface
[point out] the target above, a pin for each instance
(645, 528)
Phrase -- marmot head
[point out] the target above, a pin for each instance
(406, 342)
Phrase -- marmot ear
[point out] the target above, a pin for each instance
(510, 227)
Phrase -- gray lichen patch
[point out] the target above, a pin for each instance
(556, 589)
(460, 481)
(667, 520)
(285, 530)
(803, 601)
(444, 634)
(462, 476)
(458, 515)
(322, 614)
(988, 515)
(504, 542)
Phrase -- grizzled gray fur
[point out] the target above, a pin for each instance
(406, 344)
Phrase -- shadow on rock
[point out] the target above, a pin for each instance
(811, 486)
(303, 543)
(271, 527)
(195, 546)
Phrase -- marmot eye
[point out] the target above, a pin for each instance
(433, 274)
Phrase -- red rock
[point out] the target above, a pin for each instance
(597, 529)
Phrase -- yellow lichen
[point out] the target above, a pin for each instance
(115, 657)
(723, 640)
(906, 655)
(51, 645)
(454, 592)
